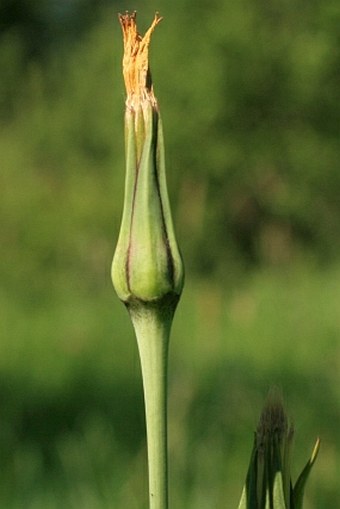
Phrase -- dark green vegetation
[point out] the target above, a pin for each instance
(249, 98)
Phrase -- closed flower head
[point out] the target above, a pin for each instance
(269, 483)
(147, 265)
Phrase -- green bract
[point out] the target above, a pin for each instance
(147, 264)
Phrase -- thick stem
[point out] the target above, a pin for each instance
(152, 328)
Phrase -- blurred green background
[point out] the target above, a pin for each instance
(249, 93)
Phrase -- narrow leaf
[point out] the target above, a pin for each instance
(249, 492)
(243, 501)
(301, 482)
(278, 494)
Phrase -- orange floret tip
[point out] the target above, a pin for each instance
(136, 69)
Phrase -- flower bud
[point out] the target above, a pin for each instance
(147, 265)
(268, 484)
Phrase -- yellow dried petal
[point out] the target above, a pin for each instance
(136, 69)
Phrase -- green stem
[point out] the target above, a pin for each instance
(152, 327)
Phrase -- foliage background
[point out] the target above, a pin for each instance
(249, 93)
